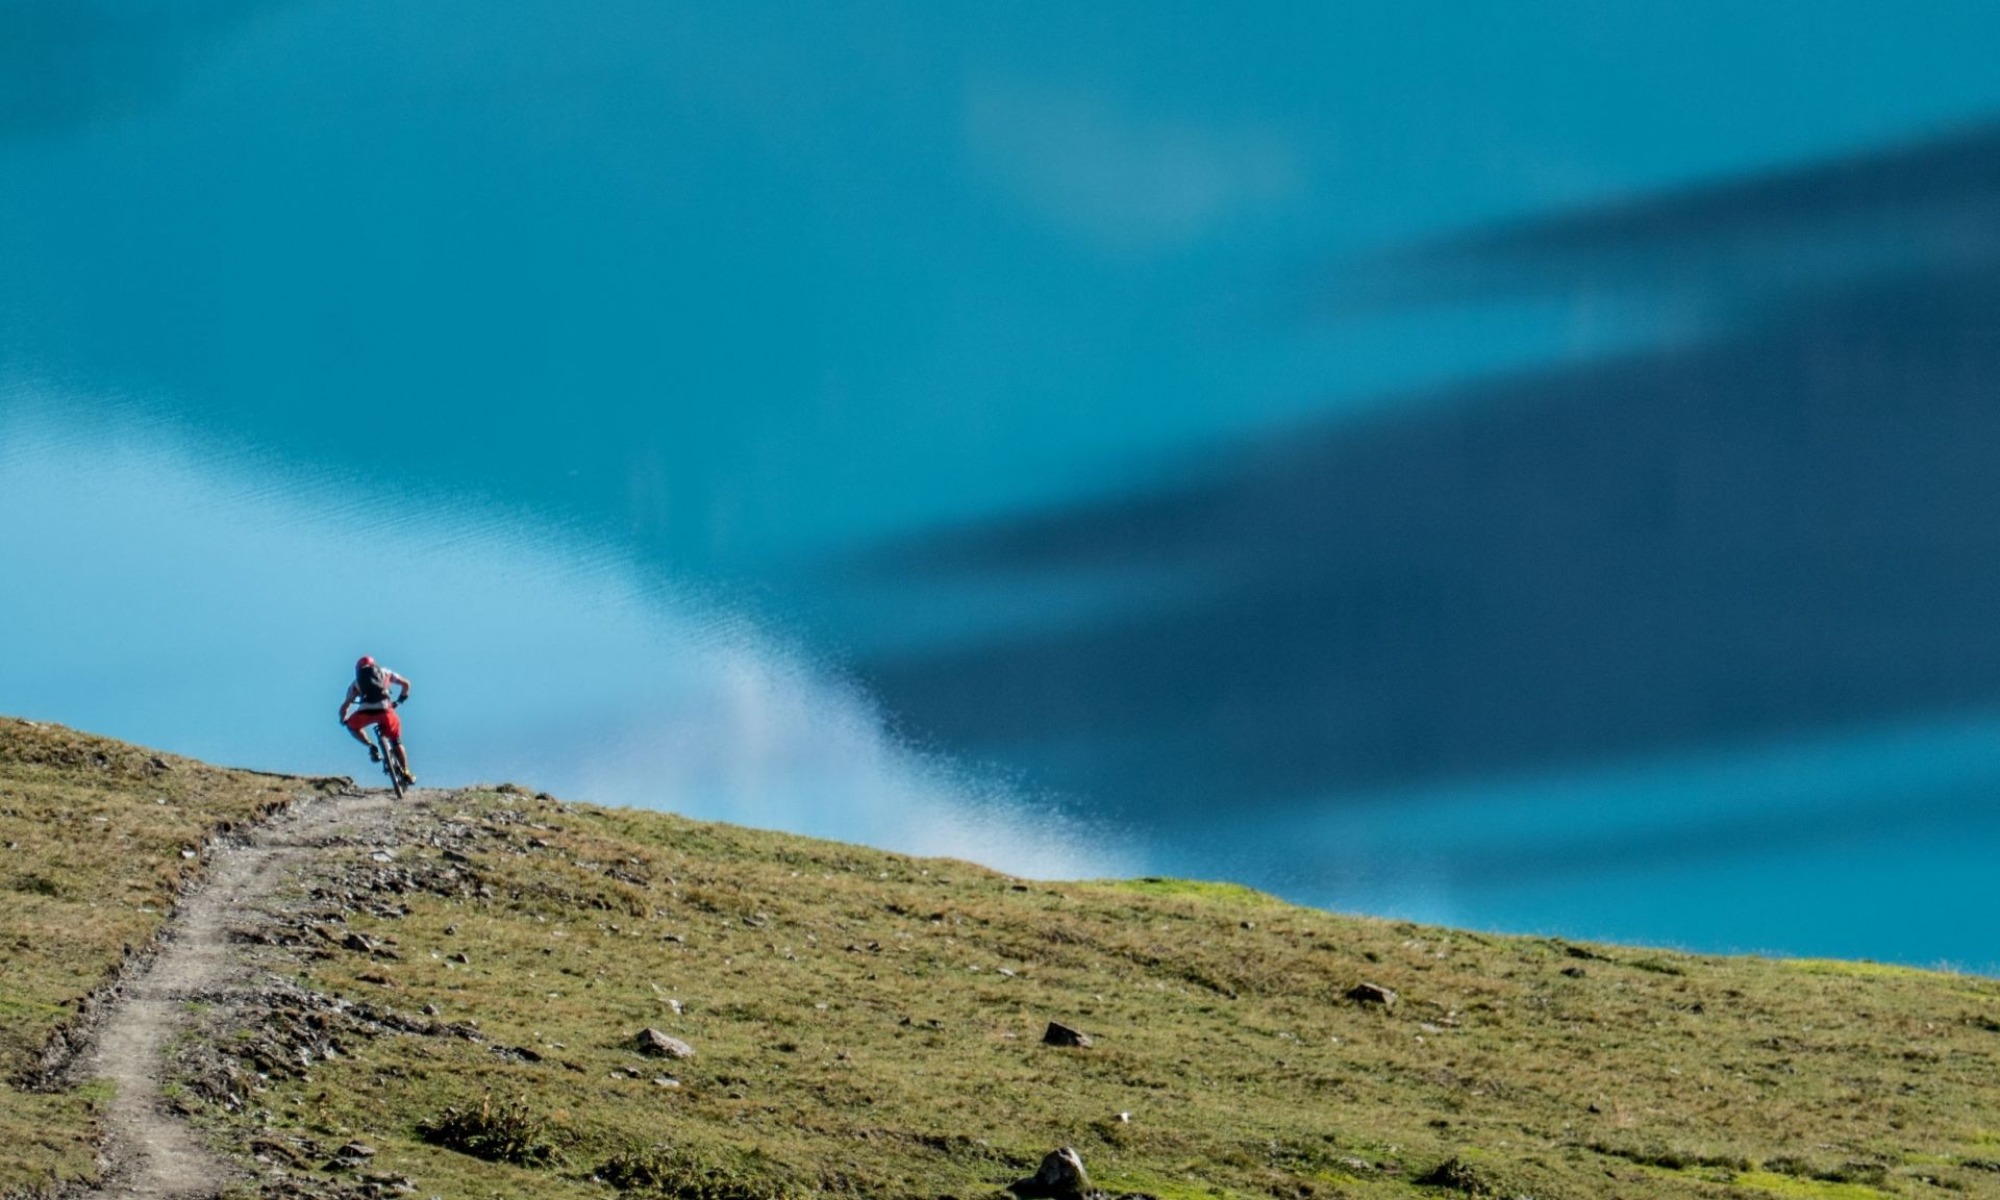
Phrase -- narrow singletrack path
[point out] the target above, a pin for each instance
(150, 1151)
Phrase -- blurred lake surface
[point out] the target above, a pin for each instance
(1536, 476)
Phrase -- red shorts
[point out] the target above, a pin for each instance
(392, 725)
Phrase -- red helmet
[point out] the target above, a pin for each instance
(365, 663)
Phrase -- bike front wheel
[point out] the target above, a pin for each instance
(390, 767)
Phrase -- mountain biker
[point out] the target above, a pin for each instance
(368, 697)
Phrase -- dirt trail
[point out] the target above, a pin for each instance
(153, 1153)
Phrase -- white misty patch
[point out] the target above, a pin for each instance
(1129, 182)
(164, 592)
(771, 742)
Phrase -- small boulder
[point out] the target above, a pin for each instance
(350, 1156)
(659, 1045)
(1060, 1177)
(1059, 1034)
(1372, 993)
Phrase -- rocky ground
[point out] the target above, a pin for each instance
(213, 978)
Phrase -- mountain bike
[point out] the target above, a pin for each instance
(391, 767)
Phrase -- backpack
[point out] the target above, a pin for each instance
(374, 684)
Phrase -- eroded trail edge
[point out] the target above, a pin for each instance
(151, 1151)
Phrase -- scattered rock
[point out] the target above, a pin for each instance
(1575, 972)
(350, 1156)
(298, 1153)
(659, 1045)
(1372, 993)
(1060, 1177)
(1059, 1034)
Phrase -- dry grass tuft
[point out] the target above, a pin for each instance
(508, 1132)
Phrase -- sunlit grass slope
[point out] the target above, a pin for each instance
(96, 841)
(866, 1023)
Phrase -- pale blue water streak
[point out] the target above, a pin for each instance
(221, 604)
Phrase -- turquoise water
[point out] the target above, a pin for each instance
(993, 433)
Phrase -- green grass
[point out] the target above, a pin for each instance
(1812, 1189)
(92, 835)
(1154, 885)
(1840, 966)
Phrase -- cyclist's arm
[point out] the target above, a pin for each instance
(396, 680)
(347, 702)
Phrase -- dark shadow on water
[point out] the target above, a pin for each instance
(1927, 205)
(1788, 524)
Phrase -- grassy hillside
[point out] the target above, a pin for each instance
(464, 1003)
(96, 840)
(868, 1023)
